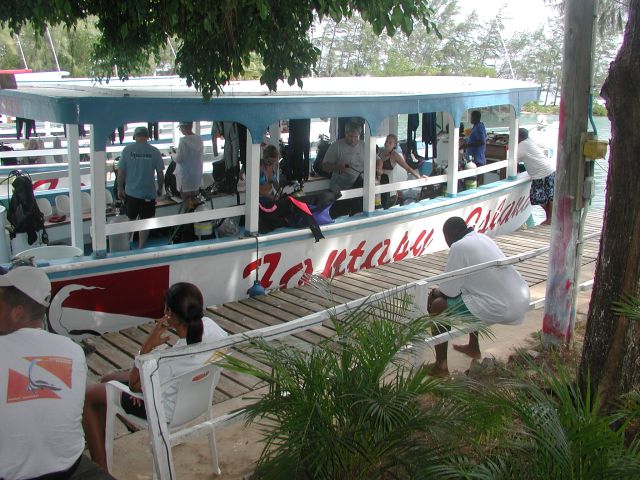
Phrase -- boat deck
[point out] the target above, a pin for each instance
(116, 350)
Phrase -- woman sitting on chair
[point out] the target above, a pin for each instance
(184, 312)
(269, 185)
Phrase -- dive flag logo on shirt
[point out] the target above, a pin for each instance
(45, 376)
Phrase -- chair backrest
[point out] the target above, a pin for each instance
(86, 202)
(207, 180)
(195, 393)
(63, 204)
(45, 206)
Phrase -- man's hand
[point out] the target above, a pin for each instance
(121, 195)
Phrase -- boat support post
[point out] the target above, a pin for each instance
(75, 187)
(252, 185)
(369, 174)
(98, 201)
(512, 152)
(453, 154)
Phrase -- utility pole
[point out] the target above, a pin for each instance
(570, 171)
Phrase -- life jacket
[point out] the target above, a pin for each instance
(24, 214)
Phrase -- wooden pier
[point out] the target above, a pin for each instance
(116, 350)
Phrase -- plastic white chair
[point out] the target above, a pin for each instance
(194, 399)
(51, 252)
(63, 204)
(45, 206)
(86, 202)
(207, 181)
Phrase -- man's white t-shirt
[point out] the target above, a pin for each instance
(169, 369)
(340, 152)
(495, 294)
(188, 160)
(536, 162)
(42, 387)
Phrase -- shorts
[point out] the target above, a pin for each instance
(455, 306)
(541, 191)
(126, 402)
(139, 208)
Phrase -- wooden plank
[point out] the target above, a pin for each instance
(269, 319)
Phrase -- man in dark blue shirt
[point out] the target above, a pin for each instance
(475, 143)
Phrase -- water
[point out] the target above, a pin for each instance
(601, 169)
(497, 118)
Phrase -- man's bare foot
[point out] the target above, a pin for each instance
(436, 370)
(469, 351)
(546, 222)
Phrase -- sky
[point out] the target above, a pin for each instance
(519, 15)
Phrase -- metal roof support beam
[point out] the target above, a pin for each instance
(369, 174)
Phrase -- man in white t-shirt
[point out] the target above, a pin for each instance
(542, 171)
(188, 160)
(42, 383)
(492, 295)
(345, 161)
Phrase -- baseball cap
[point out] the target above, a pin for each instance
(141, 131)
(31, 281)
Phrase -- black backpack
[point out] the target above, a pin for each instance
(170, 183)
(24, 214)
(10, 160)
(323, 146)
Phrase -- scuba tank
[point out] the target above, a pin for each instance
(120, 241)
(470, 182)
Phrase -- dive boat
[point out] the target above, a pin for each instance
(105, 291)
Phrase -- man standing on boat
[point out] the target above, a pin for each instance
(475, 144)
(188, 160)
(345, 161)
(496, 294)
(541, 170)
(42, 387)
(136, 180)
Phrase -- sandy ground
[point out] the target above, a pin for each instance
(239, 446)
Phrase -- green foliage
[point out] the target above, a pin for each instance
(352, 408)
(556, 433)
(216, 39)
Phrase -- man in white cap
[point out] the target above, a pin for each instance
(188, 160)
(140, 164)
(42, 386)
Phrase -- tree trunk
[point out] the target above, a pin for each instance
(611, 352)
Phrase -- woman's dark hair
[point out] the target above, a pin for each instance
(186, 302)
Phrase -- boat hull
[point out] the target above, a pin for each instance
(94, 296)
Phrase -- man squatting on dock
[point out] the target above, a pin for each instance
(42, 387)
(493, 295)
